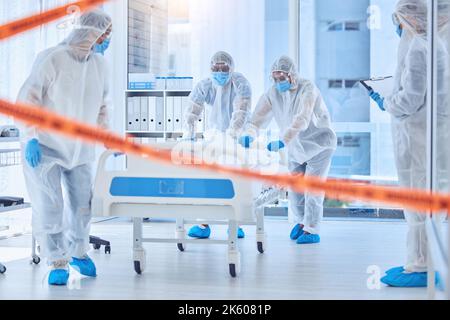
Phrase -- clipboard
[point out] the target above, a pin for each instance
(383, 85)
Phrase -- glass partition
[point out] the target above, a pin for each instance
(342, 42)
(439, 150)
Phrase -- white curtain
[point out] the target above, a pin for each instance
(17, 55)
(53, 33)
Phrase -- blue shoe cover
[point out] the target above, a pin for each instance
(58, 277)
(308, 239)
(200, 233)
(240, 233)
(84, 266)
(296, 232)
(440, 285)
(406, 280)
(395, 270)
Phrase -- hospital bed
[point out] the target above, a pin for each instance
(150, 189)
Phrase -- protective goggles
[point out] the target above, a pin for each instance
(107, 32)
(220, 67)
(395, 19)
(106, 36)
(280, 76)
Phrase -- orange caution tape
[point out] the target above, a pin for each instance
(417, 200)
(337, 189)
(23, 25)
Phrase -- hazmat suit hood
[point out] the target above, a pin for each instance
(286, 65)
(223, 57)
(90, 27)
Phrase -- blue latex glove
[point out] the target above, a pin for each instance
(275, 146)
(378, 99)
(33, 153)
(246, 141)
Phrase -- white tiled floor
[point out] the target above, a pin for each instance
(334, 269)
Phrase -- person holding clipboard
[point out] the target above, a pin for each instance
(408, 108)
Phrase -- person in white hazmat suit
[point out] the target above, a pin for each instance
(228, 94)
(300, 112)
(71, 80)
(408, 108)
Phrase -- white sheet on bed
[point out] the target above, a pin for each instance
(219, 148)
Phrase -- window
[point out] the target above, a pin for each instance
(342, 84)
(341, 26)
(352, 26)
(332, 26)
(336, 61)
(353, 155)
(350, 84)
(335, 84)
(255, 36)
(192, 31)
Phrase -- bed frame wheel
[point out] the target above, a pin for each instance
(181, 247)
(2, 269)
(36, 260)
(233, 270)
(260, 246)
(139, 261)
(137, 267)
(234, 263)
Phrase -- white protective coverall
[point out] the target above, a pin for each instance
(231, 103)
(408, 108)
(304, 120)
(71, 80)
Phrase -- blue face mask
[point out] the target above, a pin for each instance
(101, 48)
(399, 31)
(284, 86)
(221, 78)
